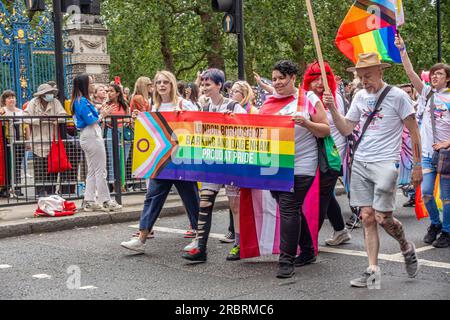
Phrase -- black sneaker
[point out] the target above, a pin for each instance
(285, 270)
(235, 253)
(304, 258)
(443, 241)
(195, 255)
(353, 222)
(433, 232)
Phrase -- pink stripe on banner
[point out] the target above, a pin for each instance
(311, 211)
(257, 196)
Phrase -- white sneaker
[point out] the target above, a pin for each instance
(192, 245)
(111, 205)
(339, 237)
(90, 206)
(134, 245)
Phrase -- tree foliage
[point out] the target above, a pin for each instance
(186, 36)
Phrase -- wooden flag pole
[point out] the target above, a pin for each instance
(312, 20)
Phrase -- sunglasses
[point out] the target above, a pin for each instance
(164, 82)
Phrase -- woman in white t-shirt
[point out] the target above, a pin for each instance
(329, 206)
(310, 123)
(165, 99)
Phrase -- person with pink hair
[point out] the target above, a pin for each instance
(329, 206)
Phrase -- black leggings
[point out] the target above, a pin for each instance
(329, 206)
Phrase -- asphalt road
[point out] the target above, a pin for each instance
(46, 267)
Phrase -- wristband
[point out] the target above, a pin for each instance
(402, 49)
(417, 164)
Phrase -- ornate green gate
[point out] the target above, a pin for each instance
(27, 57)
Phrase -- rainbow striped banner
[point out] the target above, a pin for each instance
(248, 151)
(370, 26)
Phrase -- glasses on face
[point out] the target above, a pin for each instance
(164, 82)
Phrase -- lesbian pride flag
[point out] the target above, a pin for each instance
(260, 221)
(370, 26)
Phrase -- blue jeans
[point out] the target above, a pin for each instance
(157, 192)
(428, 183)
(109, 149)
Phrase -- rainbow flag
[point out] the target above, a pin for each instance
(421, 210)
(370, 26)
(245, 150)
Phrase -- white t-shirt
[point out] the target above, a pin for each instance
(306, 153)
(383, 139)
(441, 114)
(167, 107)
(223, 107)
(339, 139)
(16, 113)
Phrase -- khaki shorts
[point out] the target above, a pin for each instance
(230, 191)
(374, 184)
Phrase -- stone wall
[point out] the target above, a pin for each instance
(87, 38)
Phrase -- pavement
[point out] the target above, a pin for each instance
(89, 264)
(19, 220)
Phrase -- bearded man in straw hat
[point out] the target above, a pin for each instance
(382, 111)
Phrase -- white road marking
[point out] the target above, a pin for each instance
(141, 299)
(397, 257)
(87, 288)
(387, 257)
(5, 266)
(178, 231)
(42, 276)
(423, 249)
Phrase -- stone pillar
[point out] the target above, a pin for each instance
(87, 38)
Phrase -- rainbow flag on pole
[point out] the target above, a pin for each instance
(370, 26)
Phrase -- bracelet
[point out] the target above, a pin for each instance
(417, 164)
(402, 49)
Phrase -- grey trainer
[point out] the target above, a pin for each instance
(369, 279)
(339, 237)
(411, 261)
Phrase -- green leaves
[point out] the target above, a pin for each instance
(186, 36)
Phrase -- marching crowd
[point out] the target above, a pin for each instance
(365, 120)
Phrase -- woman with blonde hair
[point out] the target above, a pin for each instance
(166, 100)
(140, 99)
(242, 93)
